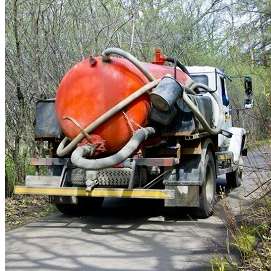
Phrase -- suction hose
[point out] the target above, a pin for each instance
(218, 129)
(78, 159)
(128, 56)
(204, 123)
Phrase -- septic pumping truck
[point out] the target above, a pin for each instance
(122, 128)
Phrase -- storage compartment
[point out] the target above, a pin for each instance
(46, 124)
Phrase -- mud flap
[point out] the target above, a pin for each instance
(186, 180)
(185, 196)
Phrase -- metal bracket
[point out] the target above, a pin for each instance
(132, 178)
(63, 175)
(196, 136)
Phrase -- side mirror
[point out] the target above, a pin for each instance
(248, 103)
(248, 86)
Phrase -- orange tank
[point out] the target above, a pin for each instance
(90, 88)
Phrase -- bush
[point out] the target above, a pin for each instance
(15, 171)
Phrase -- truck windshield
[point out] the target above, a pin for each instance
(203, 79)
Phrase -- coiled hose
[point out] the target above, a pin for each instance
(202, 120)
(78, 154)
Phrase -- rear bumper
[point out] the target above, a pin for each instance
(97, 192)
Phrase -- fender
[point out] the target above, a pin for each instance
(236, 142)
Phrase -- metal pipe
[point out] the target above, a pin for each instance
(78, 154)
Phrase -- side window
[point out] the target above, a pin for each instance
(203, 79)
(225, 99)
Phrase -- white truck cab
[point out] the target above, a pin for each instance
(215, 79)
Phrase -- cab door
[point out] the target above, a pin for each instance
(222, 89)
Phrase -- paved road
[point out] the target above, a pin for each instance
(128, 235)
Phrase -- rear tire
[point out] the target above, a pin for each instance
(84, 206)
(208, 188)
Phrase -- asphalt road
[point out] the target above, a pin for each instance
(132, 235)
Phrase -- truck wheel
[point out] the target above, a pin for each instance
(84, 206)
(208, 188)
(234, 179)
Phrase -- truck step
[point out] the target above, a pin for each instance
(42, 181)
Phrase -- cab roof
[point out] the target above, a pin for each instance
(203, 69)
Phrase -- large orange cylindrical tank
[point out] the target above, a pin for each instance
(90, 88)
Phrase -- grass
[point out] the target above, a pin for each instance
(254, 236)
(251, 236)
(219, 263)
(22, 209)
(259, 143)
(250, 231)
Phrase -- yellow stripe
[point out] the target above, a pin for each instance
(224, 157)
(96, 192)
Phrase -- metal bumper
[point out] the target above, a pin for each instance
(97, 192)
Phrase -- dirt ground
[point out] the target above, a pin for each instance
(22, 209)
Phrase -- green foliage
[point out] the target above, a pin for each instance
(245, 240)
(257, 143)
(252, 237)
(16, 172)
(10, 175)
(219, 263)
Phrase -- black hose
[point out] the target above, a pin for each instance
(178, 63)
